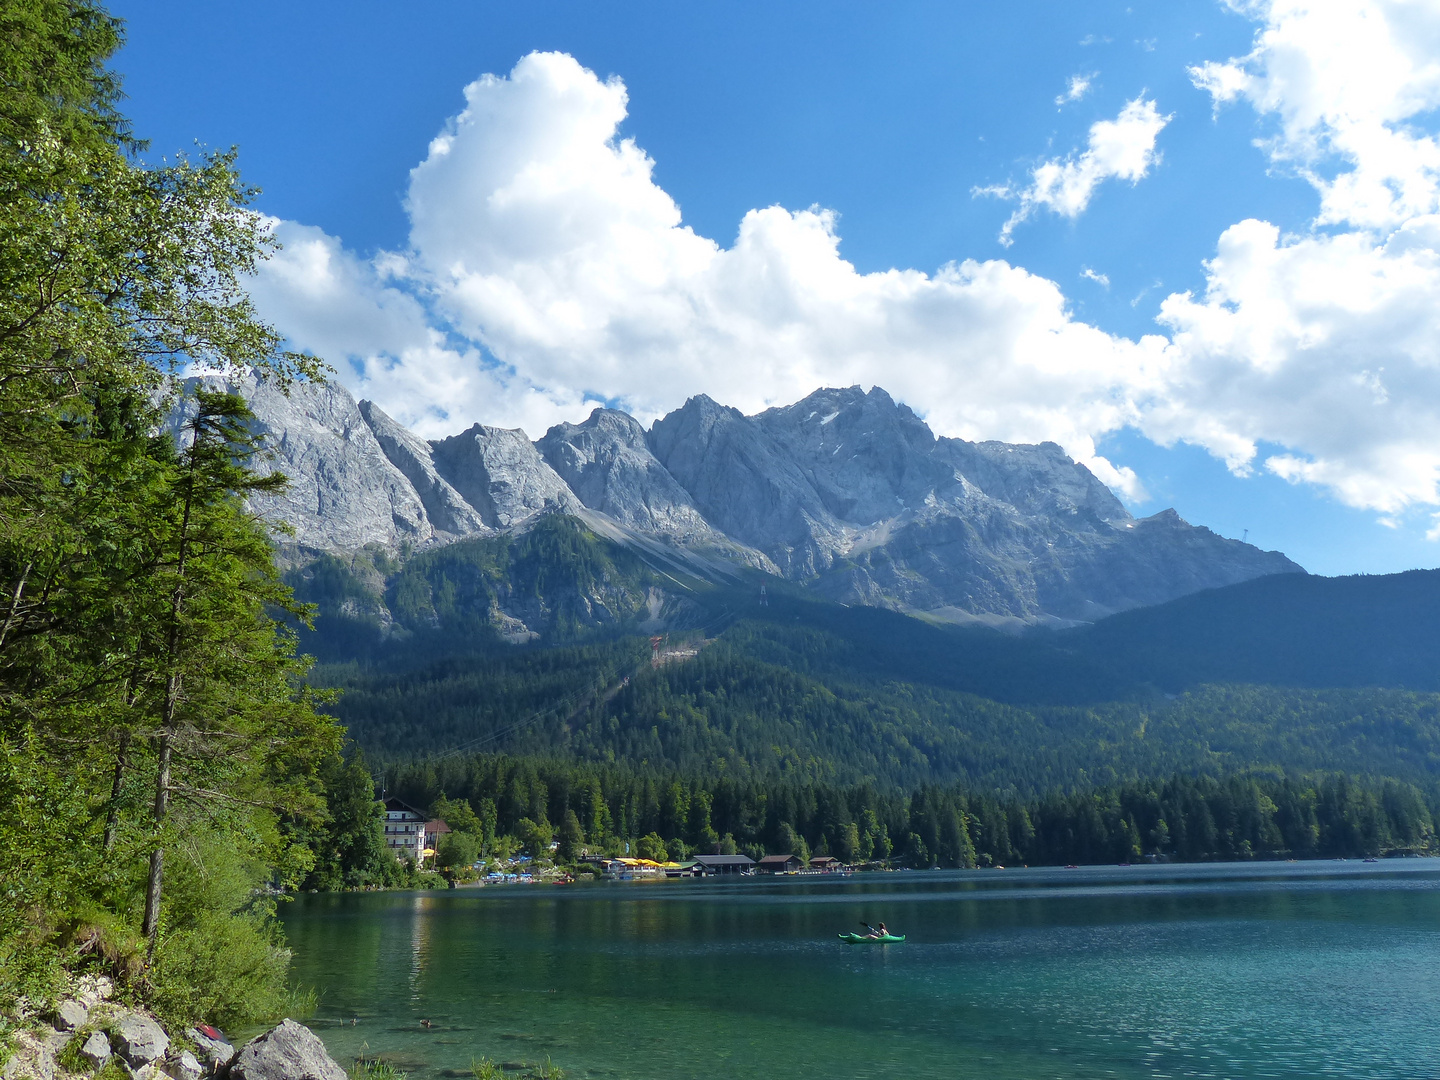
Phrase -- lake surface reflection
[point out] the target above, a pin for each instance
(1238, 970)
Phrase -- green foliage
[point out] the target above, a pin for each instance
(572, 837)
(374, 1069)
(457, 849)
(1188, 817)
(534, 837)
(485, 1069)
(226, 966)
(348, 847)
(153, 721)
(651, 846)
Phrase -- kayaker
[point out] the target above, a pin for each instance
(879, 932)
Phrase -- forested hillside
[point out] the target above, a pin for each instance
(730, 710)
(1240, 816)
(788, 684)
(1287, 629)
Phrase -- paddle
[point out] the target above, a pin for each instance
(867, 926)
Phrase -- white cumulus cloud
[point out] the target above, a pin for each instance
(384, 341)
(1076, 88)
(1119, 149)
(1346, 81)
(1328, 345)
(546, 270)
(1327, 342)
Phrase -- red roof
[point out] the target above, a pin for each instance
(437, 826)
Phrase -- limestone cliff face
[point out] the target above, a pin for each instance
(855, 494)
(499, 472)
(846, 491)
(607, 464)
(746, 485)
(344, 491)
(446, 507)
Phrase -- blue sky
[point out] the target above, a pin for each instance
(896, 119)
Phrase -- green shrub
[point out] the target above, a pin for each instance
(30, 967)
(112, 1070)
(229, 970)
(69, 1056)
(374, 1069)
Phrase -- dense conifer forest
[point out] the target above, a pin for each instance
(1185, 818)
(809, 690)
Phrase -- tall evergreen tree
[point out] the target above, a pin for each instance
(145, 690)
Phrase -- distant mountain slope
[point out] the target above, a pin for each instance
(846, 492)
(854, 494)
(1287, 630)
(427, 652)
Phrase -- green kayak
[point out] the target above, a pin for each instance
(866, 939)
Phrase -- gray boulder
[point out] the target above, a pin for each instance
(183, 1066)
(138, 1038)
(289, 1051)
(96, 1049)
(70, 1016)
(211, 1046)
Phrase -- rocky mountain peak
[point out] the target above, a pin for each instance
(607, 463)
(344, 492)
(446, 507)
(867, 458)
(834, 417)
(847, 491)
(1039, 478)
(500, 473)
(746, 484)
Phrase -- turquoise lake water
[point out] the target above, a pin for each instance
(1252, 970)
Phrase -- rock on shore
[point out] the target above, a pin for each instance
(87, 1030)
(288, 1051)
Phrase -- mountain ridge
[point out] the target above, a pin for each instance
(845, 491)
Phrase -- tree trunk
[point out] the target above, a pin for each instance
(15, 603)
(112, 813)
(151, 926)
(153, 886)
